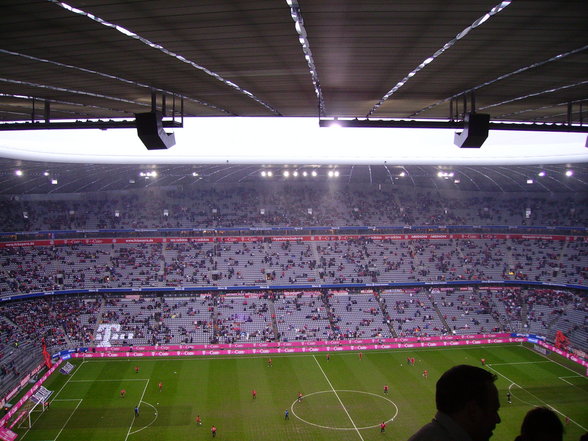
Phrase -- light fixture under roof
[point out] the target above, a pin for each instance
(541, 173)
(569, 173)
(18, 173)
(303, 39)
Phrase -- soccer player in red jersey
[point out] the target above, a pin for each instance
(160, 386)
(213, 431)
(123, 392)
(382, 427)
(299, 397)
(254, 394)
(198, 420)
(136, 369)
(269, 362)
(386, 389)
(426, 373)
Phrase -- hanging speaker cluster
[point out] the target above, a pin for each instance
(150, 130)
(475, 131)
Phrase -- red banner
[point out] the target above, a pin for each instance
(46, 355)
(314, 238)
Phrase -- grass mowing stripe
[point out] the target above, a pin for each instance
(55, 397)
(571, 384)
(68, 380)
(67, 421)
(152, 421)
(219, 389)
(337, 395)
(138, 404)
(539, 399)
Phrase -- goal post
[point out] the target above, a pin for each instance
(33, 413)
(34, 407)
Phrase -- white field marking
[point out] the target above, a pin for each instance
(504, 376)
(68, 380)
(341, 402)
(539, 399)
(344, 428)
(519, 398)
(40, 414)
(572, 384)
(138, 405)
(67, 421)
(519, 362)
(152, 421)
(58, 392)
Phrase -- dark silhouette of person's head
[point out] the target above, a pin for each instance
(468, 395)
(541, 424)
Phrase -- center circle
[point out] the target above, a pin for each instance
(336, 392)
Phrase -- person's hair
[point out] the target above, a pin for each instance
(462, 384)
(541, 423)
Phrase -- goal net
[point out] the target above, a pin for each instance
(34, 407)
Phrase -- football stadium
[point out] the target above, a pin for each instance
(287, 219)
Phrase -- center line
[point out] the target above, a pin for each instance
(337, 395)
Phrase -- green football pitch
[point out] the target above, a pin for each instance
(343, 397)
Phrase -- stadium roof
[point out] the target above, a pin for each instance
(79, 61)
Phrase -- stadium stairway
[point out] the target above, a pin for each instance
(329, 311)
(524, 311)
(440, 315)
(273, 316)
(316, 258)
(385, 316)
